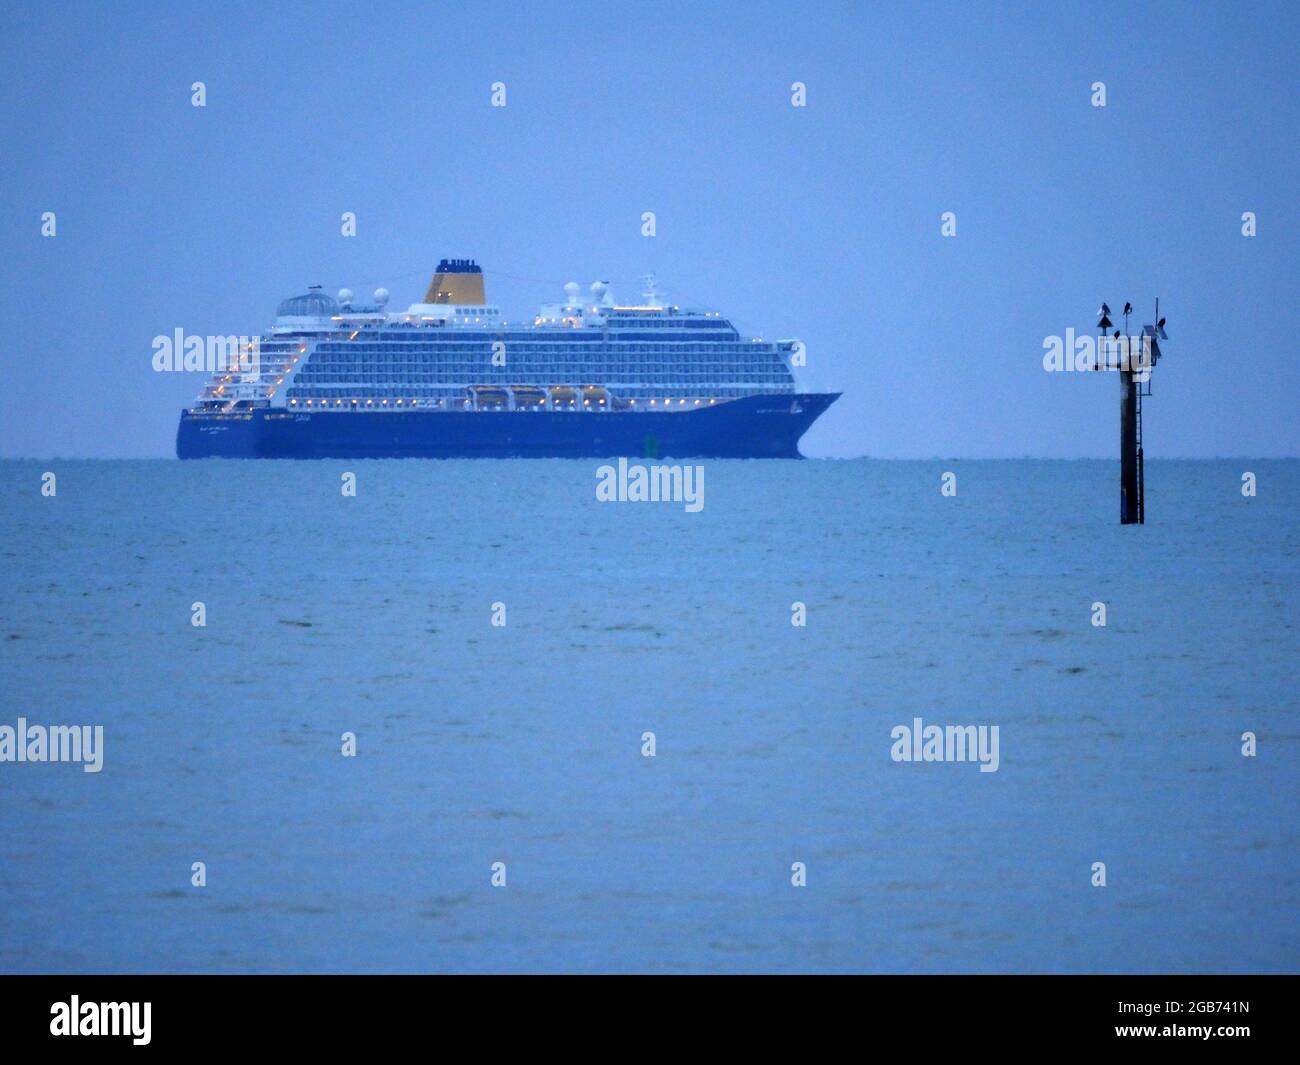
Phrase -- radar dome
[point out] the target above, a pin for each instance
(571, 291)
(381, 296)
(598, 290)
(345, 296)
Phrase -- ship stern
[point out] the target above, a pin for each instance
(204, 435)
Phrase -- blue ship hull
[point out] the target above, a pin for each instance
(754, 427)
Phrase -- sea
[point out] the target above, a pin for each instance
(591, 737)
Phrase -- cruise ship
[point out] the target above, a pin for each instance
(449, 378)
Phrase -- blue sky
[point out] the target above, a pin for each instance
(821, 222)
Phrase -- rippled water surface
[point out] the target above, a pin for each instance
(522, 744)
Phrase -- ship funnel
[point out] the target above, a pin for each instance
(457, 281)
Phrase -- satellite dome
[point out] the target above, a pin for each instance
(598, 290)
(345, 296)
(381, 296)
